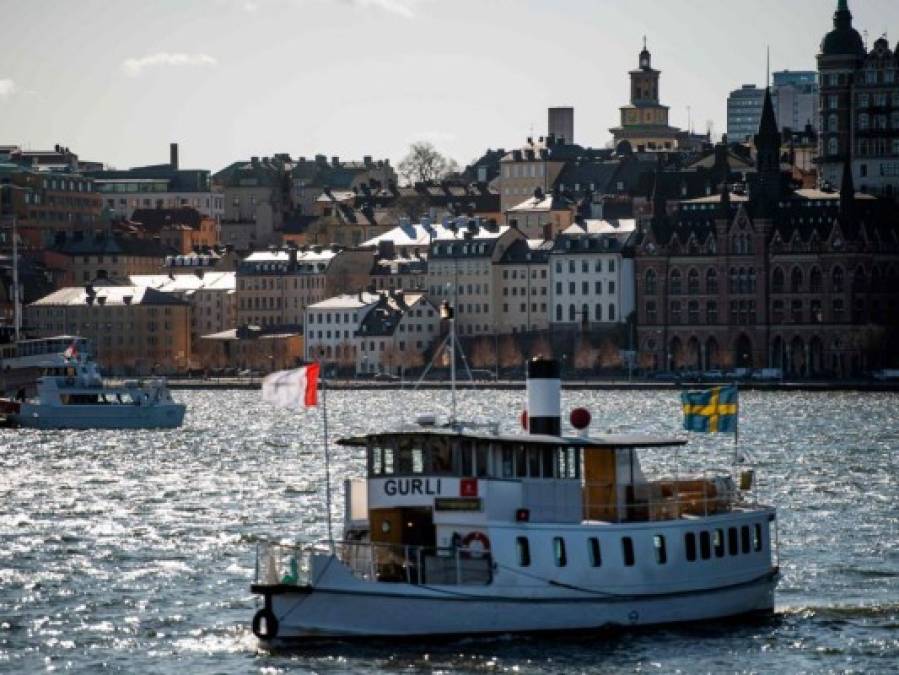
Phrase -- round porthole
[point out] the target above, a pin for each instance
(385, 526)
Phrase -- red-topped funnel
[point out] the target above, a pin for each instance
(544, 397)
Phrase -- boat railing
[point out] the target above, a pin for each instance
(666, 499)
(383, 563)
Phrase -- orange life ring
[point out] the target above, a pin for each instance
(478, 537)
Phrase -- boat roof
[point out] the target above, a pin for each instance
(634, 440)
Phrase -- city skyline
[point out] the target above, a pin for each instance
(354, 77)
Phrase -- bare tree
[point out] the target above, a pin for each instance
(542, 348)
(483, 354)
(609, 355)
(391, 357)
(510, 355)
(424, 163)
(585, 355)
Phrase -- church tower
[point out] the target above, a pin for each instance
(644, 121)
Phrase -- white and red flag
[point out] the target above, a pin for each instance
(292, 388)
(71, 352)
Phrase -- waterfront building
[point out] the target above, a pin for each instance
(460, 270)
(521, 287)
(107, 257)
(394, 270)
(211, 295)
(803, 280)
(253, 349)
(543, 215)
(396, 334)
(158, 186)
(309, 178)
(330, 327)
(134, 329)
(218, 258)
(591, 274)
(257, 197)
(275, 286)
(859, 107)
(183, 229)
(50, 205)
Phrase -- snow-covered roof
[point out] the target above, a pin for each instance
(602, 227)
(179, 283)
(348, 301)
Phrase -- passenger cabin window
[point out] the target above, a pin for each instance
(705, 545)
(719, 543)
(559, 552)
(508, 463)
(521, 467)
(757, 537)
(658, 544)
(690, 546)
(594, 552)
(744, 538)
(524, 551)
(627, 550)
(733, 547)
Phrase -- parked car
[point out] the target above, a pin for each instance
(738, 374)
(665, 376)
(886, 374)
(713, 376)
(385, 377)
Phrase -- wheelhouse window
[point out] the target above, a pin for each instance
(733, 547)
(627, 551)
(744, 538)
(594, 552)
(757, 537)
(559, 552)
(523, 549)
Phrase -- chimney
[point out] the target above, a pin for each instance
(335, 161)
(544, 406)
(173, 155)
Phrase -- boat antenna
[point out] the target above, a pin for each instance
(448, 312)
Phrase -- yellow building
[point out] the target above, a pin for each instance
(135, 330)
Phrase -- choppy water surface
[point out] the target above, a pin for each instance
(133, 551)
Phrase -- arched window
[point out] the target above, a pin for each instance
(676, 282)
(733, 281)
(838, 279)
(711, 313)
(650, 285)
(572, 313)
(833, 147)
(816, 285)
(864, 121)
(675, 312)
(796, 280)
(875, 280)
(693, 282)
(777, 281)
(611, 312)
(833, 123)
(752, 280)
(651, 312)
(711, 282)
(558, 312)
(598, 311)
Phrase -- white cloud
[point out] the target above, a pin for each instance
(7, 87)
(250, 7)
(135, 67)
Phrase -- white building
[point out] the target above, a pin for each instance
(592, 274)
(396, 334)
(331, 325)
(410, 238)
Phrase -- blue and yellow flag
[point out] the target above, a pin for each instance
(710, 411)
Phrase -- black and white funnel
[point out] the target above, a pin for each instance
(544, 397)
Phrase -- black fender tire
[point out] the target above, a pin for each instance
(271, 624)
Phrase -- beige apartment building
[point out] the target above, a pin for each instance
(460, 270)
(135, 330)
(521, 287)
(275, 287)
(542, 215)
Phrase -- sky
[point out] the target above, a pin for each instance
(228, 79)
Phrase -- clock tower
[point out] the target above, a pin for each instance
(644, 121)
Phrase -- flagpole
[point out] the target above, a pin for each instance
(737, 428)
(327, 460)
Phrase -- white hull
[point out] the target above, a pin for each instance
(160, 416)
(323, 614)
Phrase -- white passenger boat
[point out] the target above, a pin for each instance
(71, 394)
(458, 531)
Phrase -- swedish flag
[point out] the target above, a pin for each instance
(710, 411)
